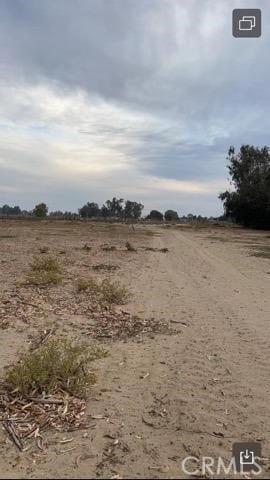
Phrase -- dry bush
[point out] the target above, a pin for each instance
(104, 266)
(130, 247)
(44, 278)
(86, 247)
(48, 264)
(107, 291)
(45, 271)
(43, 249)
(59, 364)
(114, 292)
(87, 284)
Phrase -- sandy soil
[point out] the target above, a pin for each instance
(194, 390)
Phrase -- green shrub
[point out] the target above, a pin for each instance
(59, 364)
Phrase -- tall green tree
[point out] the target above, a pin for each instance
(89, 210)
(113, 208)
(155, 215)
(133, 210)
(249, 203)
(171, 215)
(40, 210)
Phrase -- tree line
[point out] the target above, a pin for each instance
(116, 208)
(248, 204)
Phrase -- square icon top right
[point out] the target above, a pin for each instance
(247, 22)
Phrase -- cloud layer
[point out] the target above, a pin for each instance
(134, 98)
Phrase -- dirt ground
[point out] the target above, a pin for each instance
(190, 380)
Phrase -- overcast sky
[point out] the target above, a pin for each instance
(134, 98)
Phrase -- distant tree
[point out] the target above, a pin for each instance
(249, 203)
(133, 210)
(155, 215)
(57, 213)
(7, 210)
(89, 210)
(171, 215)
(16, 210)
(40, 210)
(113, 208)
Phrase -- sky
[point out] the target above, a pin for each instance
(138, 99)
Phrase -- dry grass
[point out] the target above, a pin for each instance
(107, 291)
(48, 264)
(104, 266)
(59, 364)
(87, 284)
(262, 251)
(114, 292)
(45, 271)
(43, 278)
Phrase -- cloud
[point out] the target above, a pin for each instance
(140, 98)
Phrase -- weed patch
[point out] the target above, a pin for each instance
(87, 284)
(106, 267)
(60, 364)
(107, 291)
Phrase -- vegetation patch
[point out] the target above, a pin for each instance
(87, 247)
(59, 364)
(87, 284)
(153, 249)
(43, 278)
(130, 247)
(45, 271)
(107, 291)
(6, 236)
(44, 249)
(262, 251)
(48, 264)
(104, 266)
(47, 388)
(113, 292)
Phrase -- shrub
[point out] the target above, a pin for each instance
(108, 291)
(45, 271)
(40, 210)
(155, 215)
(86, 247)
(87, 284)
(44, 249)
(130, 247)
(171, 215)
(114, 292)
(59, 364)
(48, 264)
(44, 278)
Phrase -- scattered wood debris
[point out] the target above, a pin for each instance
(25, 418)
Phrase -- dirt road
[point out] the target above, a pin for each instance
(193, 393)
